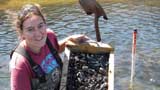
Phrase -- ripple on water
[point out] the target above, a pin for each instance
(117, 31)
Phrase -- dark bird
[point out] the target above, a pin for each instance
(93, 7)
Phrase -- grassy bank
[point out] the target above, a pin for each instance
(5, 4)
(145, 2)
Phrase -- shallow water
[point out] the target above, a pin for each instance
(117, 31)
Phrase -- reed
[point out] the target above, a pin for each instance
(16, 4)
(152, 3)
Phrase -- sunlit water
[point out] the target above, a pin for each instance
(66, 20)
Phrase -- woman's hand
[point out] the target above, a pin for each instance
(78, 38)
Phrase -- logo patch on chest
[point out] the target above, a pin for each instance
(49, 63)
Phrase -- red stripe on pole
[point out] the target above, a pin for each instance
(134, 41)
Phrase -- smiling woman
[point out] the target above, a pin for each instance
(36, 59)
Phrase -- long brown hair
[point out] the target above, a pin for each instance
(27, 11)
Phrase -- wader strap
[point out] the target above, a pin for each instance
(35, 67)
(54, 53)
(24, 53)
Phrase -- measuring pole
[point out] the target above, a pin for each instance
(133, 56)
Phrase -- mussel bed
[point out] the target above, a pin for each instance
(88, 71)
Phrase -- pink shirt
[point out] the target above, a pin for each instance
(21, 71)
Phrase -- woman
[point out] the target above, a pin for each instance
(42, 70)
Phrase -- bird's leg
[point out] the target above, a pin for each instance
(97, 28)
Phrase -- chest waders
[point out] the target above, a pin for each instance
(42, 81)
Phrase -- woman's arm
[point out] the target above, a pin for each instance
(20, 77)
(19, 80)
(62, 43)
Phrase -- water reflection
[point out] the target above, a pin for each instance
(117, 31)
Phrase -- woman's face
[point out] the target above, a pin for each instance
(34, 32)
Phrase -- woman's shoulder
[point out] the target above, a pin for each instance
(19, 65)
(51, 35)
(53, 38)
(50, 31)
(17, 61)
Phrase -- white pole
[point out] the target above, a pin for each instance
(133, 56)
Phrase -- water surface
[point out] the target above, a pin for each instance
(117, 31)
